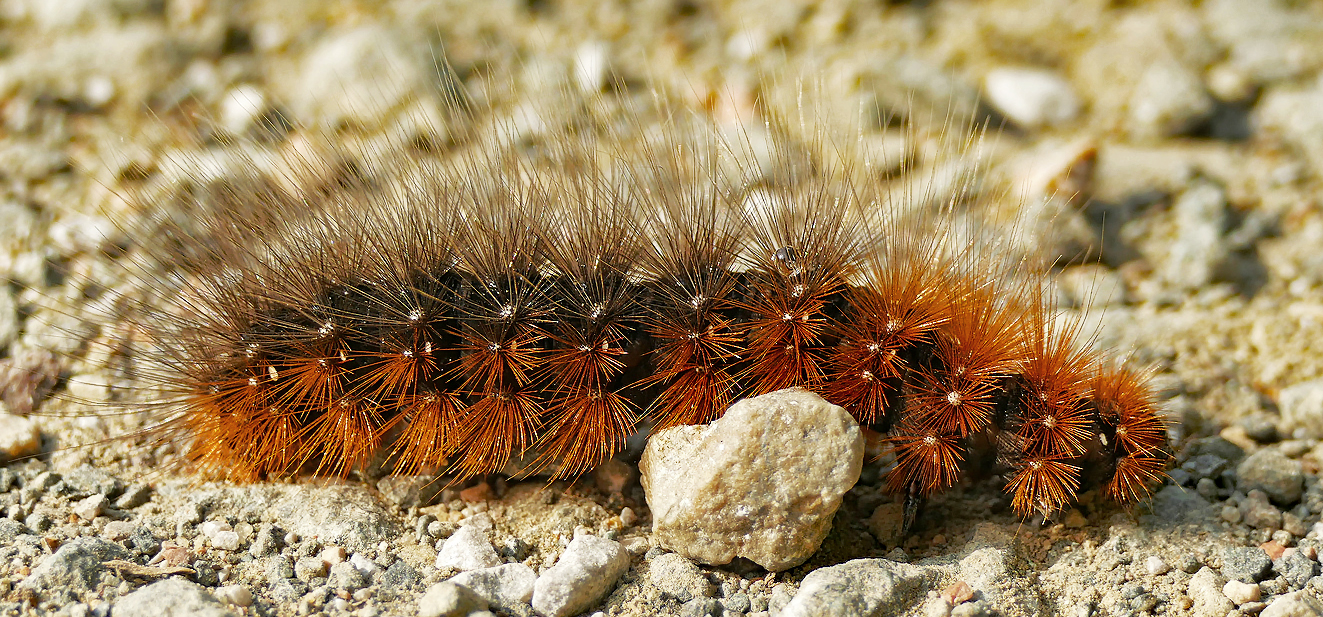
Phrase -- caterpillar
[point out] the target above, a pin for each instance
(525, 306)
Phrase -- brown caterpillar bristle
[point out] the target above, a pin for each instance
(975, 350)
(897, 310)
(692, 319)
(596, 314)
(926, 461)
(1043, 485)
(1138, 433)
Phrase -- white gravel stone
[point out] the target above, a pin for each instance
(19, 436)
(1295, 115)
(1240, 593)
(1031, 97)
(237, 595)
(859, 588)
(1302, 408)
(90, 508)
(344, 575)
(356, 77)
(211, 528)
(584, 574)
(1156, 566)
(762, 482)
(446, 599)
(172, 597)
(1194, 258)
(117, 530)
(1298, 604)
(1169, 99)
(508, 588)
(242, 106)
(364, 565)
(225, 541)
(1206, 591)
(332, 555)
(467, 549)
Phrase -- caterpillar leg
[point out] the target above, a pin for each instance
(914, 502)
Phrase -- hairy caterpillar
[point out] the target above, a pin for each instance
(514, 298)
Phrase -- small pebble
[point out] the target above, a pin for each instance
(737, 603)
(237, 595)
(1294, 525)
(936, 607)
(1240, 593)
(1296, 569)
(1231, 514)
(308, 568)
(19, 436)
(225, 540)
(957, 592)
(1282, 478)
(446, 599)
(1031, 97)
(1156, 566)
(1245, 564)
(1144, 602)
(1205, 590)
(1283, 538)
(332, 555)
(170, 596)
(344, 575)
(700, 607)
(1274, 550)
(1187, 563)
(117, 530)
(702, 481)
(211, 528)
(90, 508)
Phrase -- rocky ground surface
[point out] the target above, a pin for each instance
(1188, 137)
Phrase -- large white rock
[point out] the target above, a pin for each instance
(467, 549)
(171, 597)
(763, 482)
(507, 588)
(860, 588)
(585, 572)
(447, 599)
(1298, 604)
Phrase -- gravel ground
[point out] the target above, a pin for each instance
(1195, 132)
